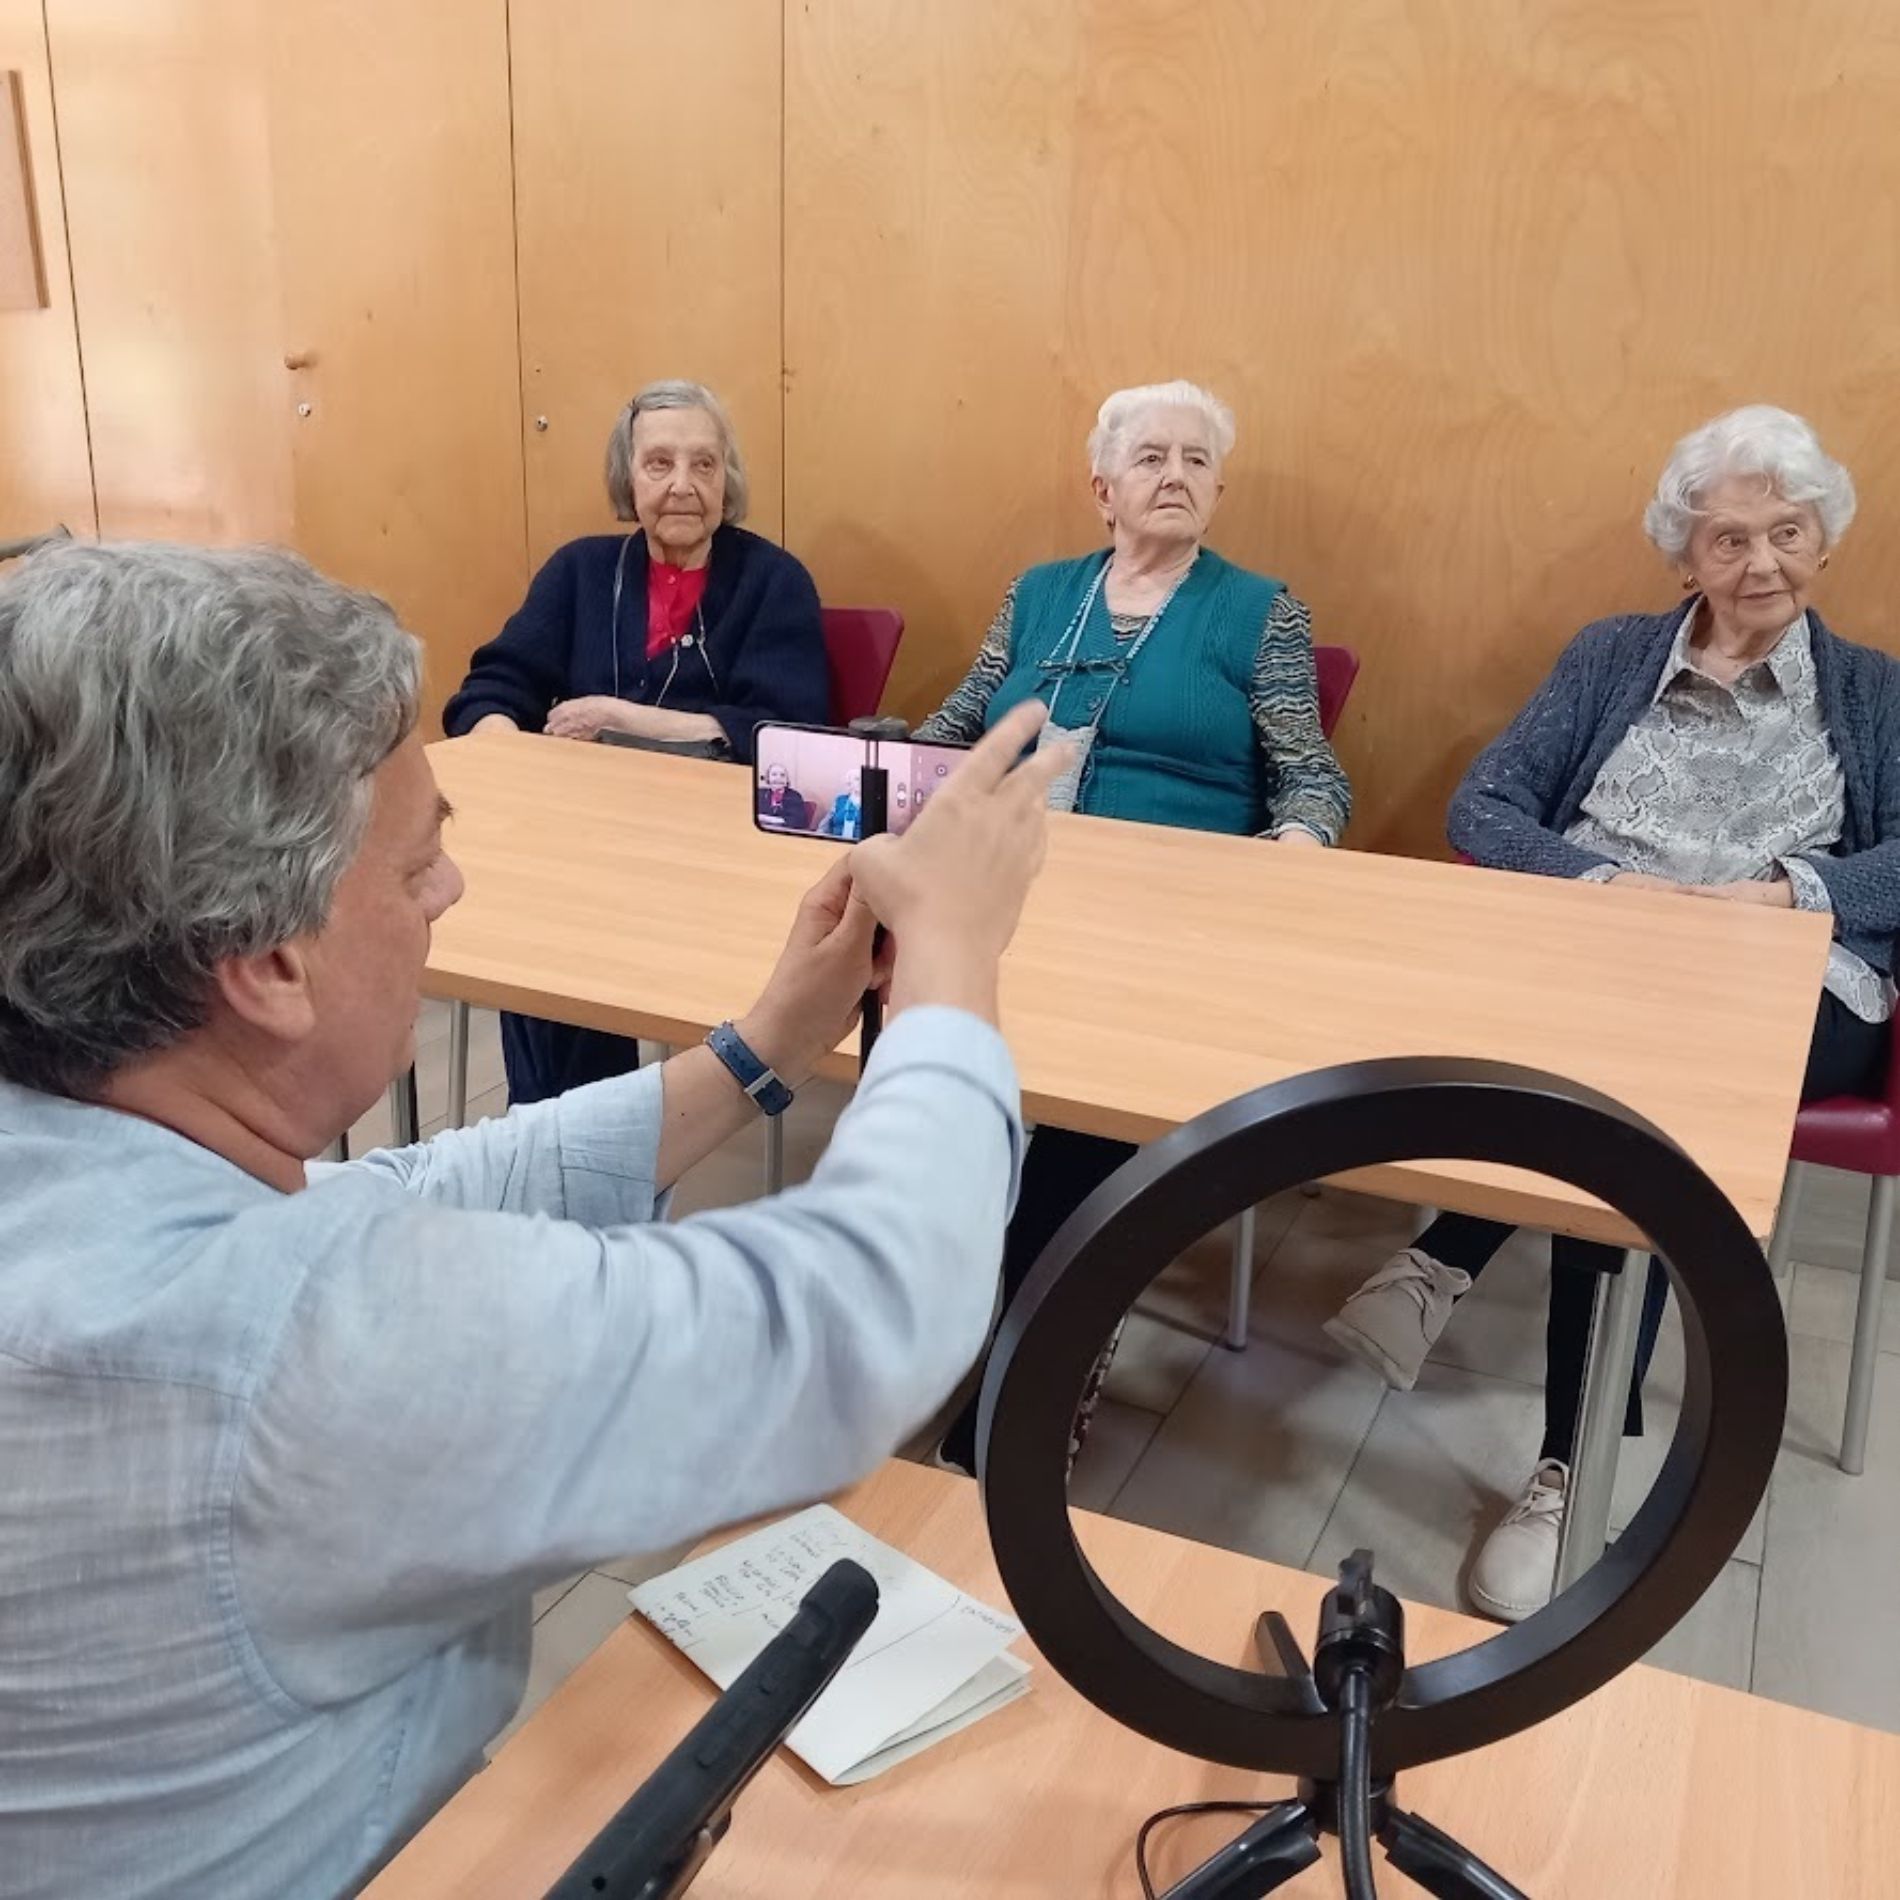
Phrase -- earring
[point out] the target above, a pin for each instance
(1688, 583)
(1825, 559)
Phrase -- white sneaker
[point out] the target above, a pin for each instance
(1394, 1320)
(1516, 1570)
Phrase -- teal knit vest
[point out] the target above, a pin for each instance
(1177, 742)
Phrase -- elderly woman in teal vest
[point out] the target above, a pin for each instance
(1185, 684)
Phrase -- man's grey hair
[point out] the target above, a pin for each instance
(186, 743)
(1115, 421)
(674, 394)
(1780, 447)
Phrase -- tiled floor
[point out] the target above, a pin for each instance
(1287, 1452)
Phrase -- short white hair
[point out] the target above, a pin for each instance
(1115, 420)
(1761, 440)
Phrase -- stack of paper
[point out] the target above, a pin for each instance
(932, 1662)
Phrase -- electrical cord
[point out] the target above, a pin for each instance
(1355, 1782)
(1180, 1813)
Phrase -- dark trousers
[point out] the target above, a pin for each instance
(546, 1059)
(1845, 1057)
(1061, 1170)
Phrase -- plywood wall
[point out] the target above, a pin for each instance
(45, 471)
(293, 248)
(1464, 271)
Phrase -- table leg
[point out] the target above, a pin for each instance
(405, 1121)
(1781, 1241)
(1606, 1385)
(458, 1064)
(1866, 1360)
(774, 1153)
(1240, 1287)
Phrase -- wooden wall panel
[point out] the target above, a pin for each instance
(393, 204)
(1464, 273)
(293, 243)
(45, 471)
(647, 193)
(165, 128)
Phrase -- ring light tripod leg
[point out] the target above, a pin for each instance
(1606, 1385)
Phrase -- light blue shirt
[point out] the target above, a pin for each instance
(279, 1473)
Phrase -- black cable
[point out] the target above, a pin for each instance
(1355, 1782)
(1178, 1813)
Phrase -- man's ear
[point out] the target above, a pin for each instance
(270, 992)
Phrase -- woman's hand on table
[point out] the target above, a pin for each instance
(1773, 893)
(594, 713)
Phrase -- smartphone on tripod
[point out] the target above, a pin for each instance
(809, 781)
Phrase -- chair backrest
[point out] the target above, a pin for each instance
(860, 648)
(1337, 668)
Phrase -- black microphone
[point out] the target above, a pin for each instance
(655, 1846)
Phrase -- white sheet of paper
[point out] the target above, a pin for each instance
(912, 1676)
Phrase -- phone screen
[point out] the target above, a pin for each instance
(807, 779)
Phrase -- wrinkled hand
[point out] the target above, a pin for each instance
(1772, 893)
(816, 990)
(1298, 835)
(951, 890)
(588, 716)
(1642, 881)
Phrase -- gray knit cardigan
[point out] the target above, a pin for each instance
(1525, 788)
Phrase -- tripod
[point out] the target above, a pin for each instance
(1358, 1664)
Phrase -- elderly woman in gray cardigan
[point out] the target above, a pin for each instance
(1732, 750)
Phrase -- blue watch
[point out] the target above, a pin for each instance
(752, 1075)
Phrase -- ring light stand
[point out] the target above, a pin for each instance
(1289, 1721)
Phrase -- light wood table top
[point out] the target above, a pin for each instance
(1157, 972)
(1658, 1787)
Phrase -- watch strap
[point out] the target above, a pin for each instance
(759, 1081)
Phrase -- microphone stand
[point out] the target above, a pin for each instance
(1357, 1667)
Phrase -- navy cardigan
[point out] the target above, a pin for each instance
(1526, 787)
(763, 656)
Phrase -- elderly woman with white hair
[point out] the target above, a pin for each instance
(685, 634)
(1186, 684)
(1732, 749)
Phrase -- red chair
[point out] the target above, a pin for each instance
(1862, 1136)
(860, 648)
(1337, 668)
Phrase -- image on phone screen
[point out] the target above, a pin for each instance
(808, 779)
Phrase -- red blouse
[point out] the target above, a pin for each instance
(673, 597)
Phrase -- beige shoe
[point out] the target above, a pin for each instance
(1394, 1320)
(1516, 1570)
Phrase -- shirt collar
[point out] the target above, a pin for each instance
(1790, 662)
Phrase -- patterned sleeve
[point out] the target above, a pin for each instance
(960, 718)
(1307, 788)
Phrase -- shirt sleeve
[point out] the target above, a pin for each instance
(463, 1406)
(1307, 786)
(525, 668)
(962, 717)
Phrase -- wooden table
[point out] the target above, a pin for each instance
(1159, 972)
(1658, 1787)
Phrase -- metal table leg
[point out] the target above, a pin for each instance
(1240, 1288)
(405, 1121)
(1606, 1385)
(1865, 1364)
(1781, 1241)
(458, 1064)
(774, 1153)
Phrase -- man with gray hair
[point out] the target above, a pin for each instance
(286, 1450)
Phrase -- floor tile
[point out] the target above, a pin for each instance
(1828, 1632)
(632, 1570)
(1440, 1466)
(1253, 1456)
(565, 1637)
(1716, 1640)
(546, 1599)
(1824, 1303)
(1117, 1438)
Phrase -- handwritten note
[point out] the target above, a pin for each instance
(933, 1661)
